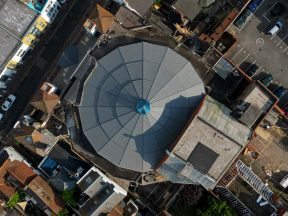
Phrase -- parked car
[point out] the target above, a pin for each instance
(1, 116)
(277, 10)
(8, 102)
(280, 91)
(267, 79)
(254, 4)
(275, 28)
(242, 18)
(252, 69)
(284, 182)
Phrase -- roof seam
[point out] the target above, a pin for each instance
(175, 94)
(156, 73)
(111, 75)
(129, 140)
(116, 133)
(176, 73)
(105, 122)
(127, 71)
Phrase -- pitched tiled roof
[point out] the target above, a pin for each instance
(3, 170)
(45, 193)
(7, 191)
(101, 18)
(37, 142)
(21, 172)
(45, 102)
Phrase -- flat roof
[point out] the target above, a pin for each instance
(63, 155)
(259, 99)
(212, 140)
(223, 68)
(189, 8)
(16, 17)
(7, 45)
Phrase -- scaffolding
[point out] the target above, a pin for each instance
(233, 201)
(254, 181)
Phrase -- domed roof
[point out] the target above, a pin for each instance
(135, 103)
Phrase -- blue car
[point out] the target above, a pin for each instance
(253, 5)
(280, 91)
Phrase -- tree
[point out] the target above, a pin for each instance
(63, 212)
(216, 207)
(16, 198)
(68, 197)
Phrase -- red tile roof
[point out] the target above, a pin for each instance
(7, 191)
(44, 192)
(22, 172)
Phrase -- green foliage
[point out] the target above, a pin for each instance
(216, 207)
(68, 197)
(16, 198)
(209, 206)
(63, 212)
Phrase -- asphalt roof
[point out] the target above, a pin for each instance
(126, 75)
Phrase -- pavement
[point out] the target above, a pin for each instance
(272, 162)
(38, 66)
(253, 46)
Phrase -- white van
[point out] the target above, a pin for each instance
(274, 29)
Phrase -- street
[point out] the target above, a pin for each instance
(42, 60)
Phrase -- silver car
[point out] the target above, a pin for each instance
(8, 102)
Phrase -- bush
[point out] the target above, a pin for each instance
(63, 212)
(68, 197)
(16, 198)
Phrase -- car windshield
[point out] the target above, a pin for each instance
(6, 104)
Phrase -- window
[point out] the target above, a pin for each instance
(19, 52)
(22, 54)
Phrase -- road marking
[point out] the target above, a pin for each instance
(282, 40)
(259, 42)
(243, 60)
(250, 17)
(273, 37)
(236, 54)
(264, 15)
(285, 49)
(257, 71)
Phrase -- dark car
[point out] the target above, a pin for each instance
(254, 4)
(277, 10)
(280, 91)
(242, 18)
(267, 79)
(252, 69)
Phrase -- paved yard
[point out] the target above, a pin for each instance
(270, 53)
(273, 157)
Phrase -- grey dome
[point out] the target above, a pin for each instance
(166, 86)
